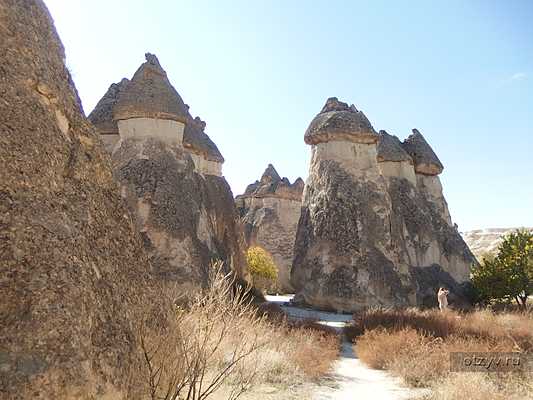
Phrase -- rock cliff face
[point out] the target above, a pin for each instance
(270, 210)
(75, 278)
(170, 174)
(483, 242)
(374, 228)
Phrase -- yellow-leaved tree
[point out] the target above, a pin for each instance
(262, 268)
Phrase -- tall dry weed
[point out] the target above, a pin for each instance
(219, 340)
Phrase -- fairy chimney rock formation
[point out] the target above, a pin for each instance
(149, 106)
(337, 133)
(171, 175)
(75, 277)
(427, 168)
(393, 160)
(269, 210)
(102, 115)
(425, 159)
(343, 258)
(374, 227)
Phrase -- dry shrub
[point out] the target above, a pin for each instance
(416, 345)
(480, 386)
(272, 311)
(199, 352)
(317, 349)
(220, 341)
(430, 322)
(471, 386)
(484, 325)
(375, 347)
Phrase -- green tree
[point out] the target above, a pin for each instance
(509, 275)
(262, 268)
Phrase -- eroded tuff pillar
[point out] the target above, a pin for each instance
(427, 168)
(148, 107)
(170, 174)
(442, 254)
(393, 160)
(343, 256)
(270, 210)
(421, 227)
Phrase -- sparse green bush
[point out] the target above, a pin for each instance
(509, 275)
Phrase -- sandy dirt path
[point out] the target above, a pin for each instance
(350, 379)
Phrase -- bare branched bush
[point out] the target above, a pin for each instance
(203, 346)
(220, 341)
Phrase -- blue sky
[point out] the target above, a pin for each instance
(258, 71)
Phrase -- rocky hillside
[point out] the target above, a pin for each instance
(486, 241)
(75, 278)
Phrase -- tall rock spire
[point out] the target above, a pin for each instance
(372, 232)
(150, 94)
(270, 175)
(170, 172)
(425, 159)
(342, 258)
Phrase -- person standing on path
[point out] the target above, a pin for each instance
(442, 297)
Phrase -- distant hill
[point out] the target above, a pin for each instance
(483, 241)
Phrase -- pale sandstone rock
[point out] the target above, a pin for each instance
(375, 228)
(149, 106)
(171, 177)
(485, 242)
(270, 210)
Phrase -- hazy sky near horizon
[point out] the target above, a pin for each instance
(258, 71)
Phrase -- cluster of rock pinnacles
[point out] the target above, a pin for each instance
(89, 241)
(372, 227)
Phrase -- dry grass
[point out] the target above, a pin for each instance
(483, 325)
(481, 386)
(221, 342)
(317, 348)
(416, 346)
